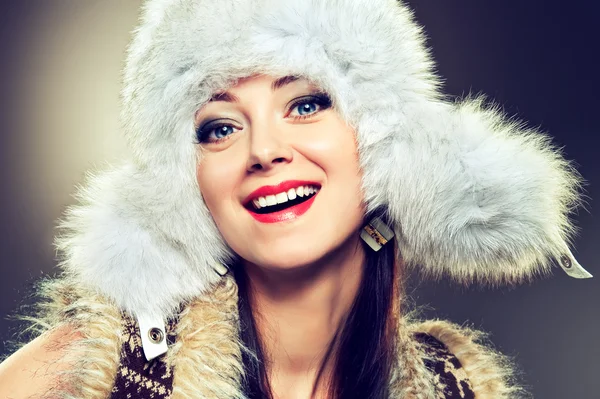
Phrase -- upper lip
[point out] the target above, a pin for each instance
(278, 188)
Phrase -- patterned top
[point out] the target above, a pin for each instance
(138, 378)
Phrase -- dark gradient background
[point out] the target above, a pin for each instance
(59, 82)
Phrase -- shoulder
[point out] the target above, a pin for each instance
(78, 351)
(33, 370)
(462, 365)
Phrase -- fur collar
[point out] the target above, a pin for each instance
(207, 354)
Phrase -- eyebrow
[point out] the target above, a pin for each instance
(277, 84)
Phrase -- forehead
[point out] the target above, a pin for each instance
(276, 83)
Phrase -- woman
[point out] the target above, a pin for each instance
(290, 161)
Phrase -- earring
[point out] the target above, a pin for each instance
(376, 234)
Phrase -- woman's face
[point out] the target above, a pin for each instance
(279, 172)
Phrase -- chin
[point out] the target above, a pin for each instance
(286, 259)
(294, 254)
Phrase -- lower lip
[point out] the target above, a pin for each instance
(285, 214)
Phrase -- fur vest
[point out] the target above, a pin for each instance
(435, 359)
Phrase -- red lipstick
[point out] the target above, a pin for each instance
(289, 213)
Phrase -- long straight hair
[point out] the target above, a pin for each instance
(365, 345)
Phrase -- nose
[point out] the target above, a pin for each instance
(267, 149)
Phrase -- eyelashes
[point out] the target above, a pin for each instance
(220, 130)
(210, 133)
(321, 99)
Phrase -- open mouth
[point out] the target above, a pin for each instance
(282, 201)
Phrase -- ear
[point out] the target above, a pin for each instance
(478, 197)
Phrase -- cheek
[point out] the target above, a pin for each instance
(334, 149)
(216, 179)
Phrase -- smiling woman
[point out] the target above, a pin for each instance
(256, 243)
(285, 173)
(287, 141)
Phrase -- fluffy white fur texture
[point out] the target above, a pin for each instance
(471, 195)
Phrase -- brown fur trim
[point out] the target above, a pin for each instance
(490, 373)
(207, 354)
(94, 357)
(410, 377)
(206, 357)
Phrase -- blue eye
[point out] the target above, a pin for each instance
(214, 133)
(306, 108)
(310, 105)
(223, 131)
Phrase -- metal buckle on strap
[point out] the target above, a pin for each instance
(154, 336)
(376, 234)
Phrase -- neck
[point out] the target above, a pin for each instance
(298, 313)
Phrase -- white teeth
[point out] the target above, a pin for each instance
(271, 200)
(291, 194)
(281, 198)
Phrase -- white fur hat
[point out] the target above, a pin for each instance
(470, 194)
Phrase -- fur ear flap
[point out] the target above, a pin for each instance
(478, 197)
(141, 237)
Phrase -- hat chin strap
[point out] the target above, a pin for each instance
(376, 234)
(153, 330)
(570, 265)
